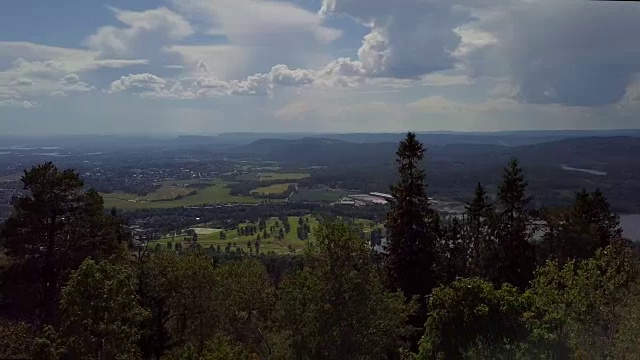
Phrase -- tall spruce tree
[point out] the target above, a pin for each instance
(411, 224)
(516, 259)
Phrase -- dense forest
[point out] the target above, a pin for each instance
(486, 285)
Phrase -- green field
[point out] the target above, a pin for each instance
(210, 236)
(272, 189)
(217, 193)
(266, 176)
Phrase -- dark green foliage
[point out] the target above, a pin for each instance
(578, 232)
(584, 305)
(51, 231)
(336, 307)
(412, 226)
(471, 319)
(101, 313)
(515, 252)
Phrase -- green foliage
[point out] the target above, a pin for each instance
(101, 312)
(51, 231)
(578, 232)
(515, 256)
(220, 348)
(412, 226)
(178, 291)
(15, 340)
(244, 299)
(584, 302)
(336, 307)
(471, 319)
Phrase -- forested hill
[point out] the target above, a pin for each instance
(602, 151)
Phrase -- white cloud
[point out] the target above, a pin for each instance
(207, 85)
(72, 83)
(138, 83)
(260, 23)
(408, 38)
(21, 82)
(224, 61)
(48, 62)
(146, 34)
(12, 98)
(264, 33)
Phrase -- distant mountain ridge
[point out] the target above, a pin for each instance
(508, 138)
(585, 151)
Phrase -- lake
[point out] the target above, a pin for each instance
(630, 224)
(588, 171)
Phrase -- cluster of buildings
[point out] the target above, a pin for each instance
(373, 198)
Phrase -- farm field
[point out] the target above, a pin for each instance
(216, 193)
(272, 189)
(265, 176)
(210, 237)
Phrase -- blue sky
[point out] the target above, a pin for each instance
(211, 66)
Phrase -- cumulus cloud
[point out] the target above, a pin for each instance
(145, 34)
(150, 85)
(12, 98)
(138, 83)
(408, 38)
(264, 32)
(72, 83)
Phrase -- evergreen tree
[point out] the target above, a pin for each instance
(412, 233)
(53, 228)
(411, 224)
(516, 259)
(479, 229)
(578, 232)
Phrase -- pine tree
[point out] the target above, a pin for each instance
(51, 231)
(411, 224)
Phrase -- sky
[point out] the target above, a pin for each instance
(213, 66)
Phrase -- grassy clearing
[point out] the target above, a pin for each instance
(217, 193)
(271, 243)
(265, 176)
(206, 231)
(272, 189)
(211, 237)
